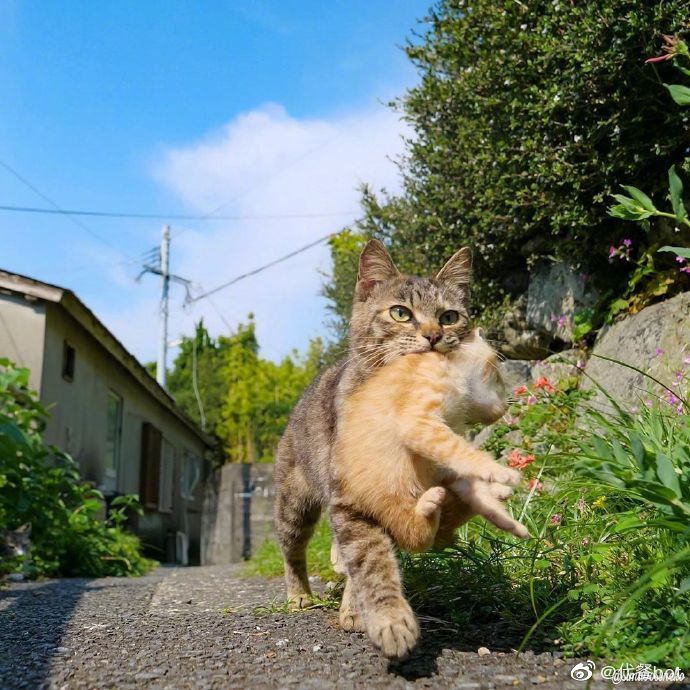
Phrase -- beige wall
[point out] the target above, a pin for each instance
(22, 325)
(78, 423)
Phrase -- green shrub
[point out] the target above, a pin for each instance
(40, 485)
(526, 117)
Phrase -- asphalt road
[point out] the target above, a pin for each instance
(205, 628)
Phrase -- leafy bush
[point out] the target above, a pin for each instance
(527, 116)
(40, 485)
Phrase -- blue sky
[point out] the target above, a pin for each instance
(266, 108)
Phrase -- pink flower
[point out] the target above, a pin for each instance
(585, 542)
(535, 485)
(659, 352)
(686, 361)
(680, 259)
(685, 269)
(519, 461)
(648, 403)
(671, 399)
(532, 400)
(612, 252)
(670, 49)
(556, 519)
(627, 242)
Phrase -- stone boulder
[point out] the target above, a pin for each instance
(516, 339)
(560, 366)
(656, 340)
(556, 293)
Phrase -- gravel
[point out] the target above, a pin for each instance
(200, 628)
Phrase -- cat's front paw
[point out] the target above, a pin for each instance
(394, 630)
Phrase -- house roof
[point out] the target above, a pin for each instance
(31, 288)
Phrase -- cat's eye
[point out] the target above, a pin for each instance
(448, 318)
(400, 313)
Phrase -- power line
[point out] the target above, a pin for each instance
(58, 209)
(167, 216)
(285, 257)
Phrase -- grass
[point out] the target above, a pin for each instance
(268, 560)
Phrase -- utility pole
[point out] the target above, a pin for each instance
(157, 261)
(165, 296)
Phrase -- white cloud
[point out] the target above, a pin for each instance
(267, 163)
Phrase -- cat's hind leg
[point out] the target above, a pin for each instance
(295, 515)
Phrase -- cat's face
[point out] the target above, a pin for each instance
(394, 314)
(16, 543)
(486, 395)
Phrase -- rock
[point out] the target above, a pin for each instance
(560, 366)
(516, 372)
(483, 651)
(516, 339)
(657, 340)
(556, 292)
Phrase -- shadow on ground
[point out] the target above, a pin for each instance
(33, 620)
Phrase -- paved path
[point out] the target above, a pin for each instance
(199, 628)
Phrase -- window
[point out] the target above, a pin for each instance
(150, 466)
(113, 439)
(165, 484)
(191, 474)
(68, 356)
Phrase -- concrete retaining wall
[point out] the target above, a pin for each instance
(237, 514)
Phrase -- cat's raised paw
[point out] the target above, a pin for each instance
(431, 501)
(394, 630)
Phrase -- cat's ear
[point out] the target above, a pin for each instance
(458, 270)
(24, 529)
(375, 266)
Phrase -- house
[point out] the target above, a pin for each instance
(123, 429)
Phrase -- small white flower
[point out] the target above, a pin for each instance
(577, 138)
(523, 27)
(557, 97)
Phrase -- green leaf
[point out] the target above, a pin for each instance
(680, 251)
(642, 199)
(679, 93)
(667, 473)
(676, 188)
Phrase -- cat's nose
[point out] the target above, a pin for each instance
(433, 337)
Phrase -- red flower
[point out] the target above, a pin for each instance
(556, 519)
(519, 461)
(521, 390)
(543, 382)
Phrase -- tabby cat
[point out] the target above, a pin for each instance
(304, 472)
